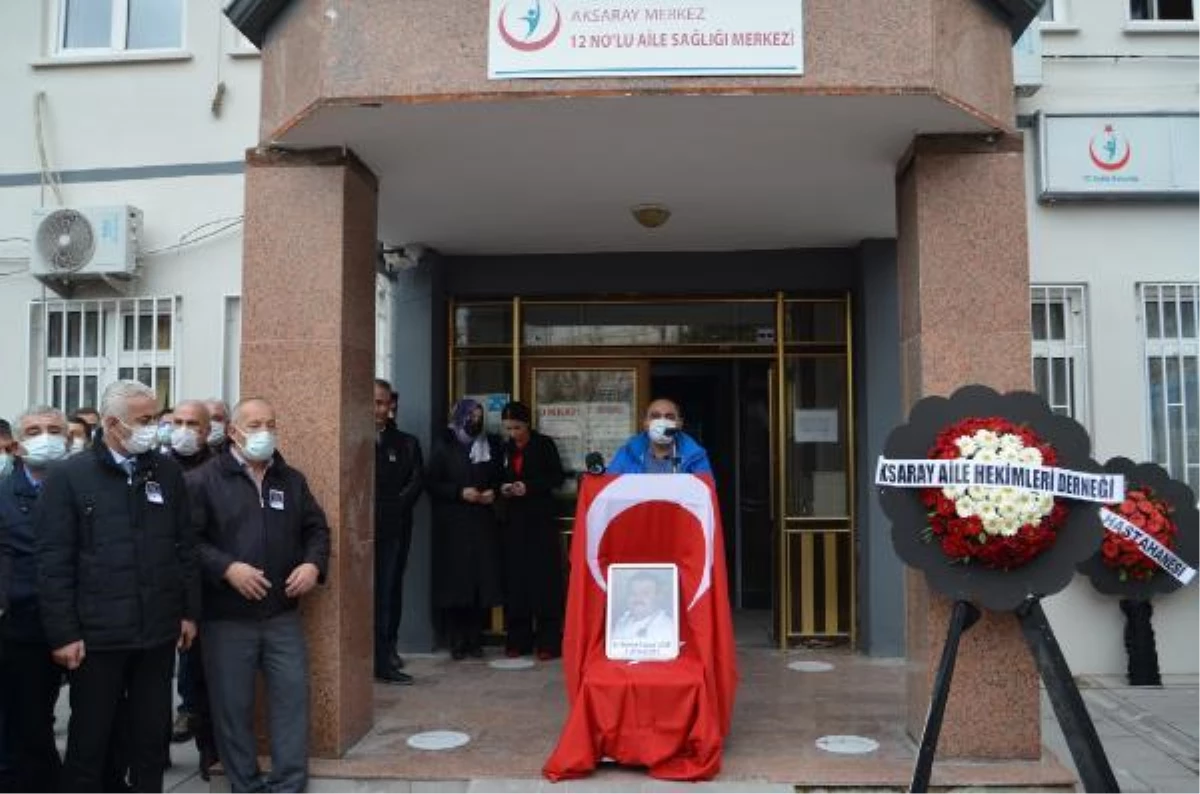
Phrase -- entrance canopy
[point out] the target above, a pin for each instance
(561, 174)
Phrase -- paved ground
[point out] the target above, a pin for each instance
(1149, 733)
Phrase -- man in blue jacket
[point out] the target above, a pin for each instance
(662, 447)
(29, 678)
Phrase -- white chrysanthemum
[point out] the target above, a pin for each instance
(1011, 442)
(966, 446)
(987, 439)
(985, 455)
(1030, 456)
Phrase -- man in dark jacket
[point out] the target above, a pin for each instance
(29, 679)
(398, 466)
(190, 427)
(117, 587)
(263, 543)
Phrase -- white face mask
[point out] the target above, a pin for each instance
(661, 431)
(217, 434)
(259, 446)
(6, 464)
(78, 445)
(141, 439)
(185, 441)
(44, 449)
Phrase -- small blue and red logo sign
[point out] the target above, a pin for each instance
(533, 30)
(1109, 149)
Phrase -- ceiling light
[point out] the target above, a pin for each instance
(650, 216)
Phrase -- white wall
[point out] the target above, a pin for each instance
(1101, 63)
(129, 115)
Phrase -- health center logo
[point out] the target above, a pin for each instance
(1109, 149)
(531, 34)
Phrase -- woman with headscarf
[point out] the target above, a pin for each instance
(463, 481)
(530, 543)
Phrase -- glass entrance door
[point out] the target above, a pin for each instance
(780, 415)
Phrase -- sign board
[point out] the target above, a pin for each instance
(1118, 156)
(585, 410)
(815, 425)
(632, 38)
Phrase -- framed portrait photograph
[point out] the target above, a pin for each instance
(642, 614)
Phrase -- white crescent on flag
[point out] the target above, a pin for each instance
(630, 490)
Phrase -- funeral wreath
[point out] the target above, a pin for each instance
(1000, 527)
(984, 493)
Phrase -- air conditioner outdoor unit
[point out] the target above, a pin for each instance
(70, 244)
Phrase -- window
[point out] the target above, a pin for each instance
(1057, 13)
(384, 326)
(1172, 348)
(1165, 10)
(97, 26)
(1060, 353)
(77, 347)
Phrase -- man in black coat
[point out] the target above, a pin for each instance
(29, 679)
(263, 543)
(398, 465)
(117, 586)
(191, 428)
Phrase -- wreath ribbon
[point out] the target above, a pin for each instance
(1148, 546)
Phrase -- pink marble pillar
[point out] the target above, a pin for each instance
(308, 346)
(964, 318)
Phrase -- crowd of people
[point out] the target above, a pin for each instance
(135, 542)
(140, 545)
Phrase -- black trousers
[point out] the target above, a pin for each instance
(523, 636)
(29, 684)
(464, 628)
(391, 558)
(96, 689)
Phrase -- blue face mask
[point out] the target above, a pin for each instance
(44, 449)
(259, 446)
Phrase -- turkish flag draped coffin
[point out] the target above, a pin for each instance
(668, 716)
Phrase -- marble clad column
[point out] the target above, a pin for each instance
(308, 346)
(963, 259)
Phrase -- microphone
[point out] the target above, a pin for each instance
(594, 462)
(671, 432)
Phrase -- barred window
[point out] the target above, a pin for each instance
(78, 347)
(1172, 347)
(1060, 351)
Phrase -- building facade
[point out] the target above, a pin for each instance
(1113, 264)
(800, 256)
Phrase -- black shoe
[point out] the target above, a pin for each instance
(475, 651)
(393, 676)
(458, 653)
(396, 661)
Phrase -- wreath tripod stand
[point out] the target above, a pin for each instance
(1082, 739)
